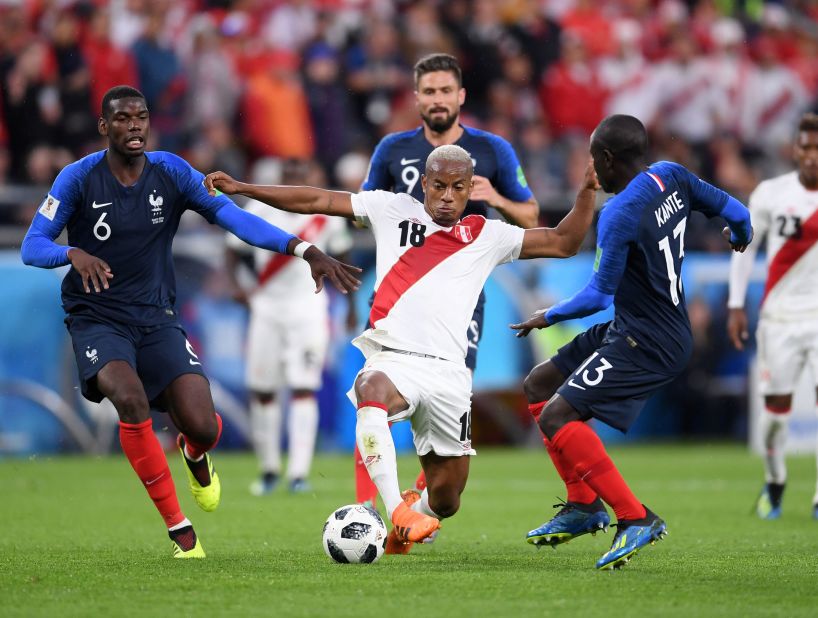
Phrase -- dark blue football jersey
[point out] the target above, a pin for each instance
(131, 228)
(399, 161)
(640, 251)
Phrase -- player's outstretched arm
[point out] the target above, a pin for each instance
(565, 239)
(303, 200)
(343, 276)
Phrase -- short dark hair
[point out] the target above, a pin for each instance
(438, 62)
(809, 122)
(625, 136)
(118, 92)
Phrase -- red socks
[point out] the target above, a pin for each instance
(578, 446)
(148, 461)
(365, 490)
(577, 490)
(197, 450)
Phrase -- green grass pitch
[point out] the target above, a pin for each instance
(79, 537)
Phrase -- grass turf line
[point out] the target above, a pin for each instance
(80, 537)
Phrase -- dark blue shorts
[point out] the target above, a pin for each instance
(158, 354)
(602, 380)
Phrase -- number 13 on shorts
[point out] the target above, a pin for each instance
(591, 371)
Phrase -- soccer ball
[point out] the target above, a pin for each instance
(354, 533)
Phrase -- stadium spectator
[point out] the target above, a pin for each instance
(109, 63)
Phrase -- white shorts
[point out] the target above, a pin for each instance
(285, 352)
(439, 396)
(784, 350)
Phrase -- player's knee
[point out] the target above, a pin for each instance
(444, 503)
(204, 431)
(131, 405)
(542, 382)
(372, 386)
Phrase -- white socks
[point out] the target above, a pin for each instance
(774, 430)
(265, 426)
(181, 524)
(378, 452)
(422, 505)
(302, 429)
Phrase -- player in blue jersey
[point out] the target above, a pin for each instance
(608, 372)
(499, 182)
(122, 208)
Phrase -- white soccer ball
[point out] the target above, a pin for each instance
(354, 533)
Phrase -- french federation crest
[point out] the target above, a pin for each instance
(463, 232)
(156, 202)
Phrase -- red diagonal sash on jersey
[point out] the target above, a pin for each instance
(416, 262)
(280, 260)
(790, 252)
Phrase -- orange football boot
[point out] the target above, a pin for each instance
(408, 526)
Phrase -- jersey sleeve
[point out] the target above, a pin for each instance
(507, 240)
(190, 183)
(377, 175)
(368, 207)
(615, 232)
(38, 247)
(741, 264)
(510, 181)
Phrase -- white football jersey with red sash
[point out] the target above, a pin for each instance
(284, 280)
(428, 277)
(786, 213)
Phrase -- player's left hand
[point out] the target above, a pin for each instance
(537, 320)
(343, 276)
(736, 247)
(482, 191)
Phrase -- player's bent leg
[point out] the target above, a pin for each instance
(190, 405)
(378, 398)
(542, 382)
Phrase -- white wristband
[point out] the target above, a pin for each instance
(301, 248)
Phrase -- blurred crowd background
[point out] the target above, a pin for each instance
(238, 85)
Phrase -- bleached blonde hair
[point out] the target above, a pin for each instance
(450, 152)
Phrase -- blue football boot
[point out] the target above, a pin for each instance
(631, 536)
(572, 520)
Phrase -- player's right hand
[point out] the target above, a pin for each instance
(537, 320)
(737, 328)
(94, 271)
(222, 182)
(343, 276)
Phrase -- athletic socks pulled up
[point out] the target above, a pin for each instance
(148, 460)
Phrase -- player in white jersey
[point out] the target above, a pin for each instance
(287, 339)
(431, 266)
(786, 210)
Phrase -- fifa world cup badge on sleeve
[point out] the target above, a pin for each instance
(49, 207)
